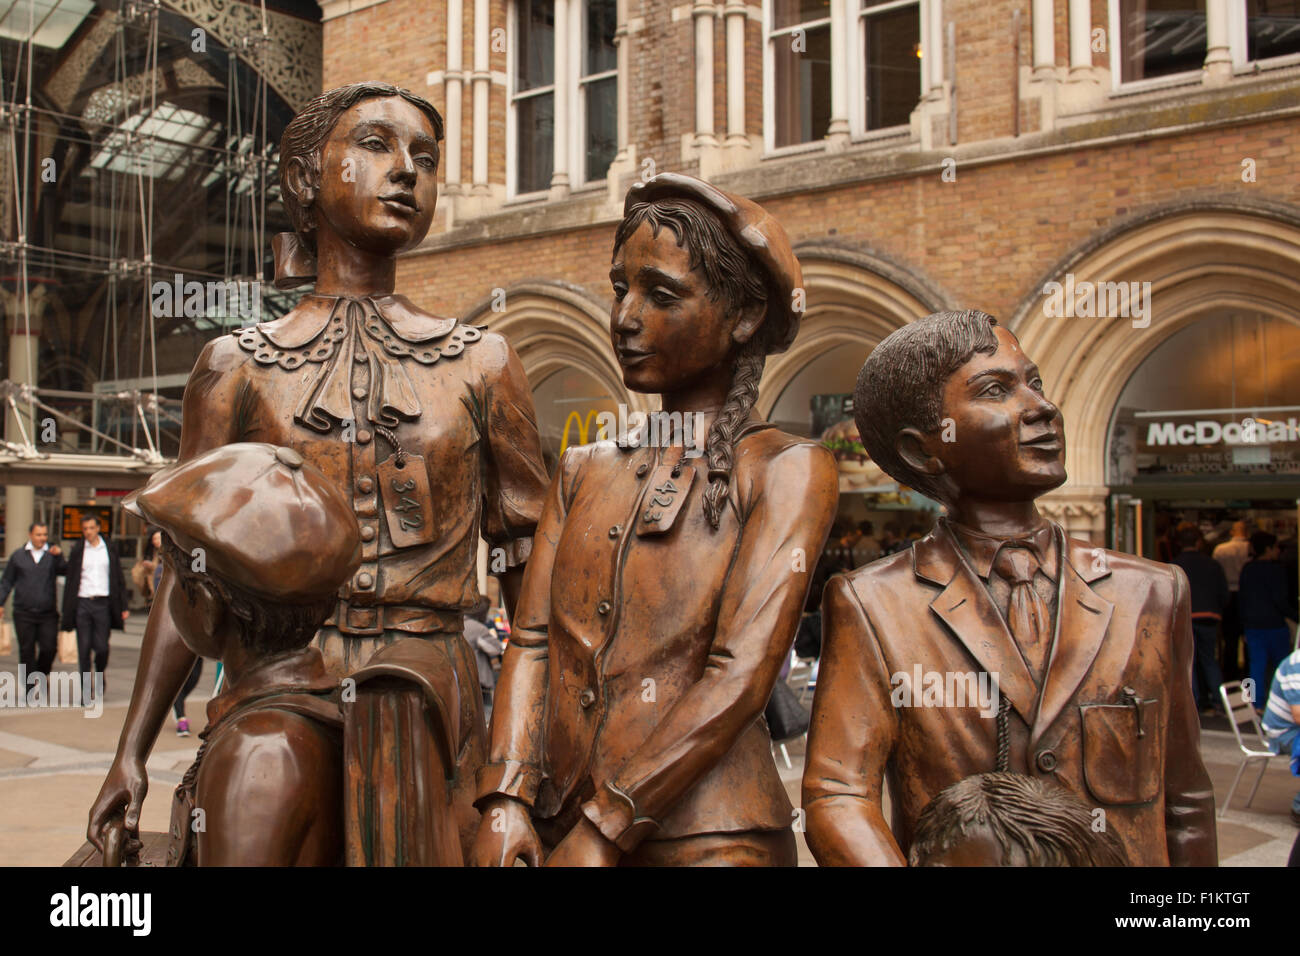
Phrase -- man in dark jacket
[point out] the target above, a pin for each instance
(94, 598)
(1209, 591)
(30, 575)
(1266, 617)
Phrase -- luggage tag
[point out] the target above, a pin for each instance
(668, 491)
(407, 499)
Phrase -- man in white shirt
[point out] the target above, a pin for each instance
(1232, 556)
(94, 600)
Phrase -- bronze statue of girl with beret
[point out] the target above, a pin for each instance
(664, 590)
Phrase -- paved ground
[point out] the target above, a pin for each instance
(52, 763)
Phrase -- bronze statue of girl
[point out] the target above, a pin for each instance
(389, 401)
(664, 590)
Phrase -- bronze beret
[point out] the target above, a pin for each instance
(757, 232)
(266, 520)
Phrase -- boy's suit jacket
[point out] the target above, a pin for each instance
(1114, 720)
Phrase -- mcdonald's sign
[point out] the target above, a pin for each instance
(584, 428)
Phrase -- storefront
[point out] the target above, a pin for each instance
(1208, 430)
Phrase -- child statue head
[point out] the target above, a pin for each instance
(706, 286)
(259, 542)
(1008, 819)
(359, 166)
(951, 406)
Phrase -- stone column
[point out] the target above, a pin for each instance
(482, 79)
(20, 500)
(624, 162)
(453, 89)
(932, 45)
(1218, 54)
(1080, 510)
(703, 14)
(623, 44)
(1044, 38)
(734, 12)
(560, 162)
(1081, 41)
(842, 53)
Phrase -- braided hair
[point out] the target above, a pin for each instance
(739, 282)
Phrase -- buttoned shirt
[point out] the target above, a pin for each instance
(641, 663)
(37, 553)
(94, 570)
(425, 422)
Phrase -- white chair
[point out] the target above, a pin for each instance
(1243, 714)
(809, 688)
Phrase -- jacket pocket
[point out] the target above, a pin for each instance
(1122, 748)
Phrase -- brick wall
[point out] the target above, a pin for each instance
(986, 238)
(398, 42)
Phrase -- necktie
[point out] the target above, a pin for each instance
(1027, 614)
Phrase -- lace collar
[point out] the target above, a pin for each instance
(380, 331)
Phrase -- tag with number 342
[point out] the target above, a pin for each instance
(408, 503)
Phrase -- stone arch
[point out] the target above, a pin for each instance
(853, 298)
(553, 325)
(1198, 256)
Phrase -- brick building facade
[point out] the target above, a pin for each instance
(1040, 141)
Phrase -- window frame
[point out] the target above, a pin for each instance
(1239, 46)
(1120, 86)
(512, 95)
(769, 80)
(578, 104)
(572, 87)
(858, 67)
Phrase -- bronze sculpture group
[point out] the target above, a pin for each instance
(339, 465)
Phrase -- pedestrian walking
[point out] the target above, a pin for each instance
(94, 599)
(487, 646)
(146, 572)
(178, 705)
(30, 576)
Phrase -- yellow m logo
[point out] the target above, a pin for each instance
(584, 428)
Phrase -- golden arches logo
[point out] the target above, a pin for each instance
(584, 428)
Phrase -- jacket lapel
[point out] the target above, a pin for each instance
(965, 606)
(1082, 618)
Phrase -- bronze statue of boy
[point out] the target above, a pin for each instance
(257, 543)
(1090, 649)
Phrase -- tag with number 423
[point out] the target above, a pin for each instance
(408, 503)
(663, 500)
